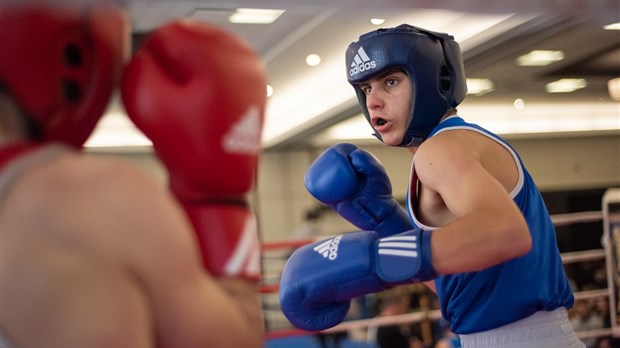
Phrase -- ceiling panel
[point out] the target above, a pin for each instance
(492, 35)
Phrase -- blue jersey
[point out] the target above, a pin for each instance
(496, 296)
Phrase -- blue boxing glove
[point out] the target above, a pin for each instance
(354, 183)
(320, 279)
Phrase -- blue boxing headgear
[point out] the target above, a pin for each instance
(432, 61)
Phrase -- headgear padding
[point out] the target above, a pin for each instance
(432, 61)
(61, 63)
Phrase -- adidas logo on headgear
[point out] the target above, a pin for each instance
(361, 62)
(329, 248)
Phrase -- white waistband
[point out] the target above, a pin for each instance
(540, 330)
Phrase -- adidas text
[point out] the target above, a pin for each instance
(362, 67)
(361, 62)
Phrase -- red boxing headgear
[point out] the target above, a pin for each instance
(61, 63)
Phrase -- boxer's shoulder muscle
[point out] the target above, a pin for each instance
(60, 214)
(74, 185)
(102, 203)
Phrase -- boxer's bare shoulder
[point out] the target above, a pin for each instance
(88, 289)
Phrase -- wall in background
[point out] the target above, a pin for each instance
(556, 164)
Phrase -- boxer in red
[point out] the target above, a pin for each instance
(94, 251)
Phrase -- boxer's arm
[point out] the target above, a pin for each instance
(198, 93)
(133, 231)
(190, 308)
(488, 227)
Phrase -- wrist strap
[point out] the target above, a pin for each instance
(405, 257)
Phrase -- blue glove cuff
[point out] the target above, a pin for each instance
(405, 258)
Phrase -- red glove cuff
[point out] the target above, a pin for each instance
(228, 239)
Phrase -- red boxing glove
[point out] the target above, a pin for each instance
(199, 94)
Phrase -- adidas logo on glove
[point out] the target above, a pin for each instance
(329, 248)
(361, 62)
(245, 135)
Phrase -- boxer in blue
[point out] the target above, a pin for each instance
(475, 230)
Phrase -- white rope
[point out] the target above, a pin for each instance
(591, 294)
(582, 256)
(594, 333)
(580, 217)
(284, 247)
(412, 317)
(434, 315)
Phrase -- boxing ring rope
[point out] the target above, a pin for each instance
(271, 287)
(580, 217)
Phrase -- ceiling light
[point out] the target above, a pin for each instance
(479, 87)
(612, 26)
(540, 58)
(377, 21)
(565, 85)
(313, 59)
(269, 91)
(519, 104)
(254, 16)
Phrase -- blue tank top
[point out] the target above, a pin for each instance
(496, 296)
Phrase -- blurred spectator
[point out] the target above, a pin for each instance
(601, 306)
(607, 342)
(394, 302)
(444, 337)
(585, 318)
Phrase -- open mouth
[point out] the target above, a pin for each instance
(380, 122)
